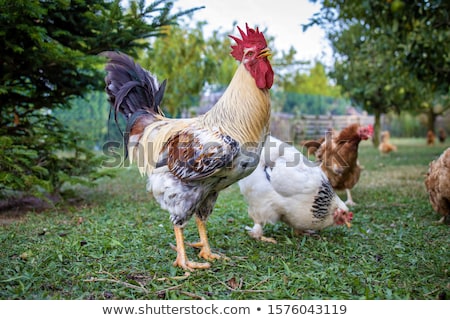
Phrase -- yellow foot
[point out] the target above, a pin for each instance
(195, 244)
(208, 255)
(205, 251)
(203, 244)
(183, 262)
(191, 265)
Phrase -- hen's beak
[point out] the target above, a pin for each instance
(264, 53)
(348, 224)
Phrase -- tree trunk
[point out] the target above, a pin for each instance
(376, 128)
(431, 119)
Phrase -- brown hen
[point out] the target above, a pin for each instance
(437, 182)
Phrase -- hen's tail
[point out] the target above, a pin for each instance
(131, 90)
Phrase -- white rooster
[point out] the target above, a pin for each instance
(288, 187)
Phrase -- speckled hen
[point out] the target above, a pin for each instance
(288, 187)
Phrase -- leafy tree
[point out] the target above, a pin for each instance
(390, 55)
(215, 54)
(317, 82)
(190, 62)
(89, 116)
(177, 58)
(49, 56)
(306, 91)
(311, 104)
(218, 48)
(366, 80)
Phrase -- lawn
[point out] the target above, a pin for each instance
(114, 243)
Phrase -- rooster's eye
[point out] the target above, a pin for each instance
(249, 54)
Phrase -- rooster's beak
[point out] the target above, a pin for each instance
(264, 53)
(348, 224)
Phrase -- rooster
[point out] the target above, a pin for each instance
(339, 156)
(437, 183)
(189, 161)
(287, 186)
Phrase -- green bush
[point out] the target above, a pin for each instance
(49, 57)
(44, 156)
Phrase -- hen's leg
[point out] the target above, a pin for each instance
(257, 233)
(444, 220)
(203, 244)
(182, 260)
(349, 201)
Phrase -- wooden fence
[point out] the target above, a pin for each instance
(288, 127)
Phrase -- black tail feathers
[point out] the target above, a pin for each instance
(130, 88)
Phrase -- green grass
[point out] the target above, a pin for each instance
(115, 245)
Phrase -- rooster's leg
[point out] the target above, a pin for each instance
(349, 201)
(203, 244)
(182, 260)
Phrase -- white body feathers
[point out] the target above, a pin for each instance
(290, 188)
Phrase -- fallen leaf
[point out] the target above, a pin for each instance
(233, 283)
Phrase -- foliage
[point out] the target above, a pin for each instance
(315, 82)
(308, 92)
(404, 124)
(218, 53)
(390, 55)
(89, 115)
(201, 63)
(116, 245)
(49, 56)
(184, 51)
(36, 163)
(311, 104)
(189, 62)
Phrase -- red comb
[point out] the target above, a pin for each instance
(251, 38)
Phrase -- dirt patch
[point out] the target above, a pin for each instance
(14, 209)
